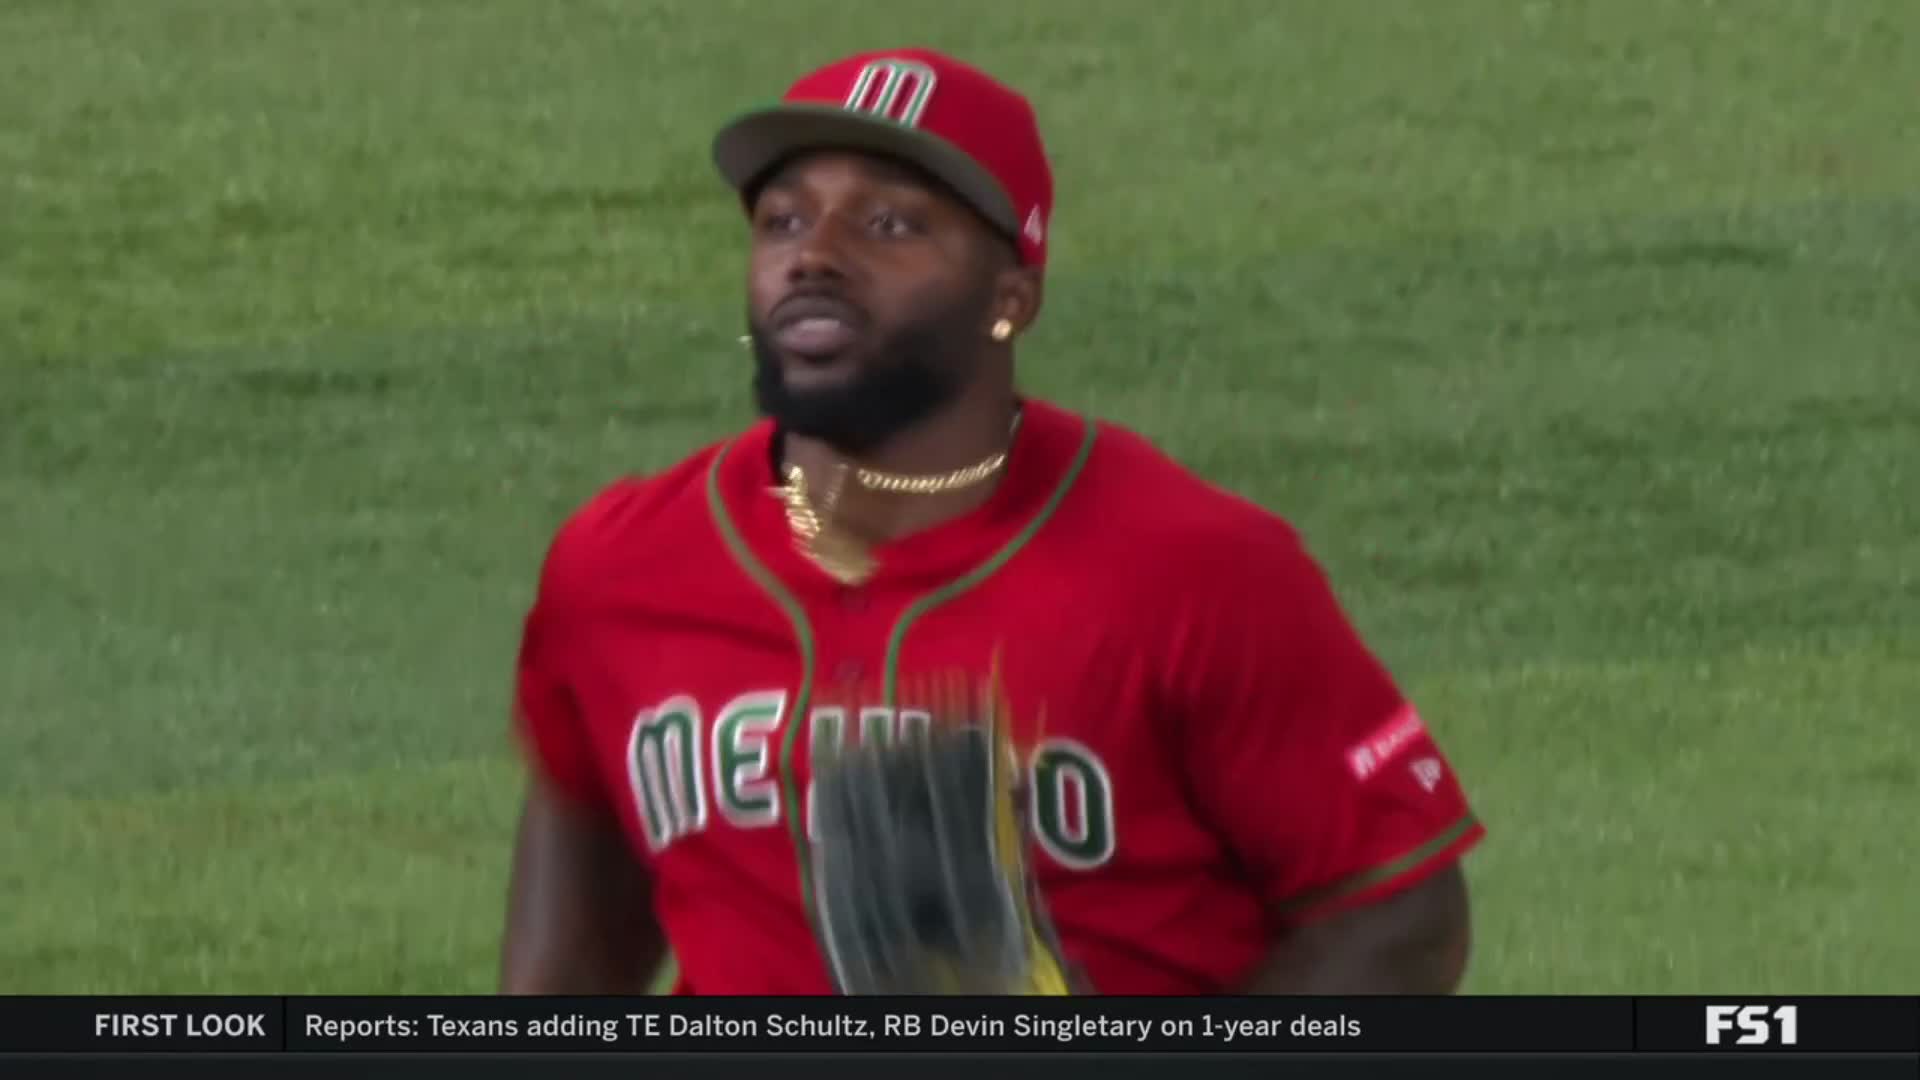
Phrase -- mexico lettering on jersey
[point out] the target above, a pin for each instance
(1211, 752)
(680, 782)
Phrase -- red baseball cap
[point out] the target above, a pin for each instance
(956, 122)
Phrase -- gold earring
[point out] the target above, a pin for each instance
(1003, 329)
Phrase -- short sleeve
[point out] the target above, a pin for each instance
(546, 716)
(1300, 749)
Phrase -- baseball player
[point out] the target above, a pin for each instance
(1228, 793)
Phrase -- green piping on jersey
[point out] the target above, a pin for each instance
(803, 638)
(898, 639)
(1366, 879)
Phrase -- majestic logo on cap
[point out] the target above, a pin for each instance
(896, 90)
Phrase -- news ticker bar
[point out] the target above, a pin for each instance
(1017, 1025)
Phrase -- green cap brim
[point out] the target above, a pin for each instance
(758, 141)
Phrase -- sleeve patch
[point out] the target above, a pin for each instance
(1367, 756)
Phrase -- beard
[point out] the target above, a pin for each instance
(910, 375)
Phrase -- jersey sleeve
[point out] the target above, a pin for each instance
(547, 720)
(1300, 749)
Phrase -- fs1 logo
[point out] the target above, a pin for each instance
(1757, 1024)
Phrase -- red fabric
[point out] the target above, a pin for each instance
(1189, 693)
(991, 122)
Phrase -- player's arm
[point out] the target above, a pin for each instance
(1413, 942)
(579, 910)
(580, 916)
(1323, 782)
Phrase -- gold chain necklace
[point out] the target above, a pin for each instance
(901, 484)
(842, 556)
(839, 555)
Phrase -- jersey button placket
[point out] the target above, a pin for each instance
(854, 604)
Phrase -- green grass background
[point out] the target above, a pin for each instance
(1581, 338)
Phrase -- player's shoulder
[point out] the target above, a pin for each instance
(624, 518)
(1162, 508)
(1202, 554)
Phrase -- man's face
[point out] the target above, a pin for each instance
(869, 296)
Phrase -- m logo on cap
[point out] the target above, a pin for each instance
(896, 90)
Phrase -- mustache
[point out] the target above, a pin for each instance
(812, 302)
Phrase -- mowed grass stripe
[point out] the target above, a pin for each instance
(1695, 826)
(186, 175)
(388, 880)
(1737, 824)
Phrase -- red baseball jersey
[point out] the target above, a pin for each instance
(1212, 751)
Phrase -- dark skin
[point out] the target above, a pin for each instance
(579, 905)
(1415, 942)
(897, 250)
(876, 237)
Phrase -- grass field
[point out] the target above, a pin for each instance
(1581, 339)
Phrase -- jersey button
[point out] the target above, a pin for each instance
(849, 670)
